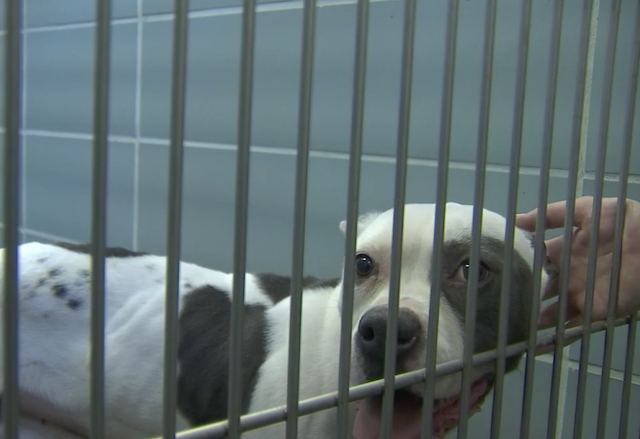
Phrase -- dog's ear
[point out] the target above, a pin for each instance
(363, 222)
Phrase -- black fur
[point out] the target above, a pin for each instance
(203, 354)
(488, 295)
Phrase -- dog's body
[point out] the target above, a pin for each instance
(54, 301)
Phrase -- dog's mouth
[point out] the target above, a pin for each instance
(407, 413)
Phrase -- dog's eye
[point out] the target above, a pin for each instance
(364, 265)
(483, 271)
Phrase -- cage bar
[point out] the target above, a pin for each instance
(625, 403)
(444, 153)
(353, 199)
(99, 214)
(300, 207)
(584, 351)
(402, 155)
(478, 214)
(174, 220)
(614, 20)
(509, 241)
(623, 430)
(11, 204)
(542, 210)
(241, 214)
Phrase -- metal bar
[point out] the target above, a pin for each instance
(440, 213)
(623, 431)
(478, 210)
(398, 217)
(627, 142)
(323, 402)
(580, 114)
(614, 20)
(542, 209)
(539, 232)
(99, 215)
(302, 166)
(512, 203)
(353, 201)
(11, 205)
(174, 220)
(578, 110)
(241, 215)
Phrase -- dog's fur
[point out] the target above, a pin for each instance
(54, 301)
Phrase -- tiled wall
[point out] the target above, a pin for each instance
(58, 74)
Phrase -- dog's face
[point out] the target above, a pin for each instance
(372, 267)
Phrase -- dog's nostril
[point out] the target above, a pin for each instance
(367, 333)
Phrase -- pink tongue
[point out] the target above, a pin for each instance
(406, 419)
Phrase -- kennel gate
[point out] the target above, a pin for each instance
(236, 423)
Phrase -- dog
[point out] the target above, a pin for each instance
(54, 341)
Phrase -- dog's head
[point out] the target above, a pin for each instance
(372, 267)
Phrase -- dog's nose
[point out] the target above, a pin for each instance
(372, 331)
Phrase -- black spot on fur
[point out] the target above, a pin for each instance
(42, 281)
(54, 272)
(110, 252)
(59, 291)
(150, 267)
(73, 303)
(84, 273)
(203, 354)
(42, 260)
(187, 286)
(279, 287)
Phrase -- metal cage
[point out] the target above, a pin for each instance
(584, 23)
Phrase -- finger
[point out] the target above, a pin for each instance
(556, 212)
(527, 221)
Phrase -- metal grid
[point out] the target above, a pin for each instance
(237, 422)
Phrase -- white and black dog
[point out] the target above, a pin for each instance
(54, 343)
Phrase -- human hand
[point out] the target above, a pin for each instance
(628, 300)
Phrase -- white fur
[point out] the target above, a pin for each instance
(54, 351)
